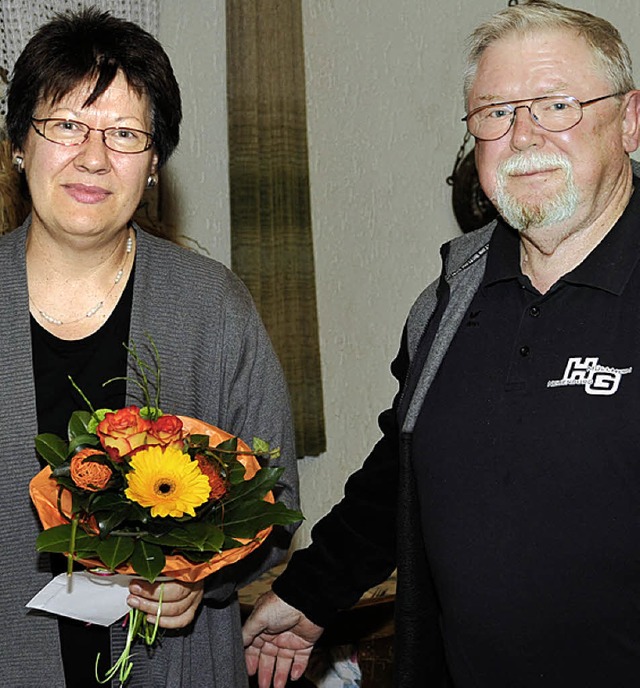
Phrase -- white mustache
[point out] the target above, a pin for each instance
(533, 162)
(556, 208)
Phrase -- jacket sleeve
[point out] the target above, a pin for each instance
(354, 546)
(255, 403)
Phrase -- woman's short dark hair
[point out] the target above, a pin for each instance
(93, 46)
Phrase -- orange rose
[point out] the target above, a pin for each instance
(123, 431)
(89, 475)
(217, 483)
(166, 430)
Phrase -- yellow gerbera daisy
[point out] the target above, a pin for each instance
(166, 480)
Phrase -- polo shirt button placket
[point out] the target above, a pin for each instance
(534, 312)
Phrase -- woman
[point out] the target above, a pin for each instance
(93, 113)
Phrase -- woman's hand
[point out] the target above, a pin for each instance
(180, 601)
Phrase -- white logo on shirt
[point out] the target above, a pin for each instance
(596, 379)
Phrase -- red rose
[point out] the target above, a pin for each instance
(123, 431)
(217, 483)
(165, 431)
(89, 475)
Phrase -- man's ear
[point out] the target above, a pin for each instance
(154, 164)
(631, 121)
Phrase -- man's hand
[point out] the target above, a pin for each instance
(278, 640)
(180, 601)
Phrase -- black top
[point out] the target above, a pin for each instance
(527, 460)
(90, 362)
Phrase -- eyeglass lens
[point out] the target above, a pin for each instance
(553, 113)
(71, 133)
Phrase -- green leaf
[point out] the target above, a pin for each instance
(199, 557)
(255, 488)
(54, 539)
(57, 539)
(51, 448)
(63, 470)
(96, 418)
(150, 413)
(110, 520)
(247, 519)
(79, 424)
(230, 445)
(147, 560)
(193, 536)
(231, 543)
(235, 471)
(65, 481)
(140, 514)
(108, 501)
(81, 441)
(115, 550)
(86, 554)
(260, 446)
(199, 441)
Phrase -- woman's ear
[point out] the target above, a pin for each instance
(17, 159)
(152, 179)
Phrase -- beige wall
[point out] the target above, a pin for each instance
(384, 104)
(195, 183)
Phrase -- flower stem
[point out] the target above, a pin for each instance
(124, 665)
(72, 544)
(138, 627)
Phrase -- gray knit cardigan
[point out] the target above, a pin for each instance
(217, 365)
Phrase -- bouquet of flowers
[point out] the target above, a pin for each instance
(140, 492)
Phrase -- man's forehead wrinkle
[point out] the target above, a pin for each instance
(559, 88)
(490, 98)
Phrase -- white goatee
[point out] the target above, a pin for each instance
(523, 215)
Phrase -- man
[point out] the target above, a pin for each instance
(514, 436)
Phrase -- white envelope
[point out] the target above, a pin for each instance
(85, 596)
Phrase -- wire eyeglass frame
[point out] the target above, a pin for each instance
(87, 130)
(513, 105)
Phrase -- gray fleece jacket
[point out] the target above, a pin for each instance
(433, 321)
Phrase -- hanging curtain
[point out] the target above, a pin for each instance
(271, 240)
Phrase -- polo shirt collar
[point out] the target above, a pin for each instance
(607, 267)
(503, 259)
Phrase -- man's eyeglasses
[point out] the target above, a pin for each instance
(68, 132)
(553, 113)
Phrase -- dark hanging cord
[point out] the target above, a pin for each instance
(471, 206)
(459, 158)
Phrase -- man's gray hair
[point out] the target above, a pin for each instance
(610, 54)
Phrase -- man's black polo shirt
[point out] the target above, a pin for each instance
(527, 455)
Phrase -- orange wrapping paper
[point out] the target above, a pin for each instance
(44, 494)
